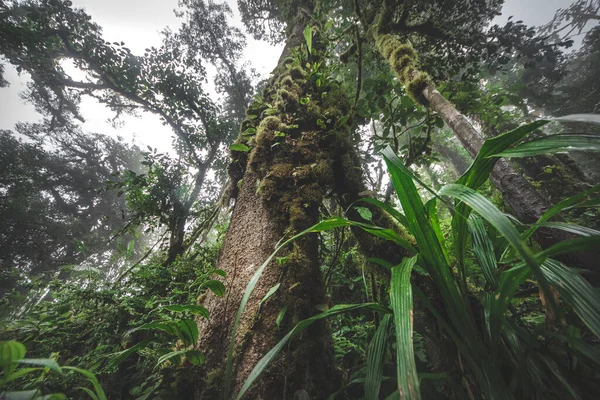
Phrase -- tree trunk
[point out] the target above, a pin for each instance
(527, 204)
(457, 161)
(284, 178)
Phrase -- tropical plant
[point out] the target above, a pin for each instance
(502, 353)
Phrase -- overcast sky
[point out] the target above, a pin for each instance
(138, 23)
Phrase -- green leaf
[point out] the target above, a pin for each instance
(375, 359)
(561, 143)
(484, 251)
(501, 222)
(17, 374)
(10, 352)
(118, 357)
(217, 287)
(42, 362)
(280, 316)
(193, 308)
(301, 326)
(92, 378)
(241, 147)
(477, 174)
(187, 331)
(130, 248)
(576, 291)
(365, 213)
(342, 121)
(305, 100)
(270, 293)
(481, 168)
(570, 246)
(308, 38)
(572, 228)
(402, 307)
(379, 261)
(89, 392)
(220, 272)
(573, 201)
(169, 356)
(398, 216)
(430, 249)
(195, 357)
(249, 132)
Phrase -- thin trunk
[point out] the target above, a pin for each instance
(181, 210)
(457, 161)
(526, 203)
(557, 178)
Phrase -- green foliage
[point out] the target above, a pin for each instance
(511, 340)
(12, 354)
(146, 323)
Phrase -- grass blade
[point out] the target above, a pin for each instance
(501, 222)
(484, 251)
(576, 291)
(302, 325)
(375, 358)
(561, 143)
(402, 306)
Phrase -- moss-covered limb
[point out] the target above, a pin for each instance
(527, 203)
(403, 59)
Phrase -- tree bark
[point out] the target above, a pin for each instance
(284, 178)
(526, 203)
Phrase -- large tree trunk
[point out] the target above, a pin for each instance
(283, 182)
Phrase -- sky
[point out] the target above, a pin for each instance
(138, 23)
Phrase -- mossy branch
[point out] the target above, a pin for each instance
(404, 61)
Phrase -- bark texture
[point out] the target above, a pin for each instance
(280, 184)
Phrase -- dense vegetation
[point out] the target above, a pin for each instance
(406, 208)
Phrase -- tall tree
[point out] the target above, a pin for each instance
(282, 164)
(55, 211)
(39, 37)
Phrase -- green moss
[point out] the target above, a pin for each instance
(404, 61)
(402, 64)
(297, 72)
(288, 61)
(287, 100)
(288, 82)
(386, 45)
(269, 124)
(324, 171)
(282, 170)
(403, 50)
(416, 86)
